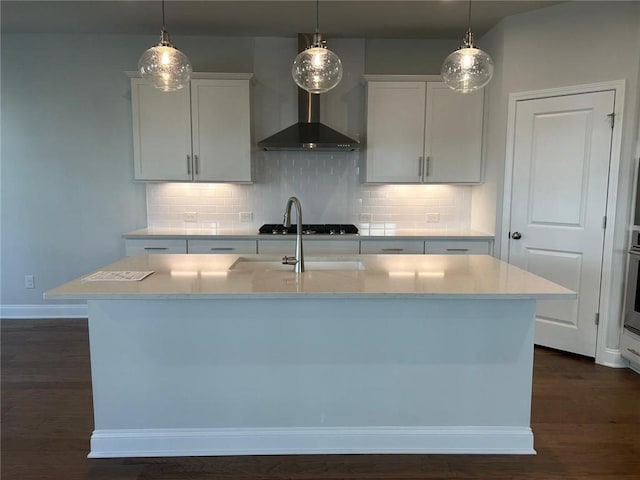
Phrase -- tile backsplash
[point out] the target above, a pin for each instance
(329, 188)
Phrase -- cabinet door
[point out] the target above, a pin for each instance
(458, 247)
(391, 246)
(395, 132)
(221, 130)
(453, 135)
(217, 246)
(161, 132)
(137, 246)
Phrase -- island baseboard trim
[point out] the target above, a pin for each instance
(306, 441)
(19, 312)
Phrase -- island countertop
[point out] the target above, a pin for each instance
(200, 276)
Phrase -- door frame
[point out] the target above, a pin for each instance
(609, 288)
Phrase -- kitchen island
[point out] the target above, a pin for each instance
(238, 355)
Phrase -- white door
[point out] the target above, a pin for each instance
(561, 157)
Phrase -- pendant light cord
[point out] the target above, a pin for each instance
(163, 15)
(468, 20)
(317, 16)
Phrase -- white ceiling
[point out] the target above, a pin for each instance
(345, 18)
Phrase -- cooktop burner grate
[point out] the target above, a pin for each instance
(310, 229)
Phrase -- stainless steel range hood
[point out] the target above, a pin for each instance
(309, 134)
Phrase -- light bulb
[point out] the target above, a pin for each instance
(467, 69)
(317, 69)
(164, 66)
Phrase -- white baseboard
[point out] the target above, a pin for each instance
(612, 358)
(303, 441)
(43, 311)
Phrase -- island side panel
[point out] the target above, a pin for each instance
(217, 377)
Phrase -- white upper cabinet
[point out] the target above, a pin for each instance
(161, 132)
(422, 132)
(395, 131)
(453, 135)
(201, 133)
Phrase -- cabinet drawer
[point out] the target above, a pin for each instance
(630, 346)
(222, 246)
(140, 246)
(310, 247)
(459, 247)
(391, 246)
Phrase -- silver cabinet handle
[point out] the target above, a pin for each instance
(222, 249)
(188, 164)
(420, 167)
(393, 249)
(156, 248)
(427, 164)
(633, 351)
(516, 235)
(197, 162)
(457, 249)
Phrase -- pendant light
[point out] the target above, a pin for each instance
(468, 68)
(317, 69)
(163, 65)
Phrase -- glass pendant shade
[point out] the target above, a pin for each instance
(467, 69)
(164, 66)
(317, 69)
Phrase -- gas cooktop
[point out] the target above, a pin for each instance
(310, 229)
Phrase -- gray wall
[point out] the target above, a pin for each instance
(67, 164)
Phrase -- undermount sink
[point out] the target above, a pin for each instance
(247, 264)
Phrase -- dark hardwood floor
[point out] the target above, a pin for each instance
(586, 421)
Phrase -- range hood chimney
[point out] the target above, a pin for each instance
(309, 134)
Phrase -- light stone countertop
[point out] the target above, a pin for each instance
(371, 232)
(192, 276)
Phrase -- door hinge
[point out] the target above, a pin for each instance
(612, 117)
(604, 222)
(598, 318)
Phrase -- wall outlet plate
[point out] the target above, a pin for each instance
(365, 218)
(245, 216)
(433, 217)
(190, 216)
(29, 281)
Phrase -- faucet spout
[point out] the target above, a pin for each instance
(298, 261)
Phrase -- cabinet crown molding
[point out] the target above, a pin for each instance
(205, 75)
(402, 78)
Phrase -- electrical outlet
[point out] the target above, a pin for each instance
(365, 218)
(433, 217)
(245, 216)
(29, 281)
(190, 216)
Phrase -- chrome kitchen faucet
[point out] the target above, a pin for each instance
(298, 260)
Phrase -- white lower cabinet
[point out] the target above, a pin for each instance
(460, 247)
(222, 246)
(141, 246)
(310, 247)
(391, 246)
